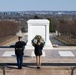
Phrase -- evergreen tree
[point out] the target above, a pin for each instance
(51, 27)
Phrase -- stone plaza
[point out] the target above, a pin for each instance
(56, 55)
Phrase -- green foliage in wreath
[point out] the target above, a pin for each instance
(34, 40)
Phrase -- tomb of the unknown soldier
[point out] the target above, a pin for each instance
(38, 27)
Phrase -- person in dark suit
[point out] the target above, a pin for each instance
(38, 52)
(19, 51)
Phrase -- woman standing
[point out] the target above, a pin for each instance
(38, 51)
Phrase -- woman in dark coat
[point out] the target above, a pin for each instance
(38, 52)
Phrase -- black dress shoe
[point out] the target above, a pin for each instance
(38, 67)
(19, 68)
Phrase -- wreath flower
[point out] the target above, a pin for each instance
(34, 40)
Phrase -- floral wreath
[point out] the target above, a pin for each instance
(34, 40)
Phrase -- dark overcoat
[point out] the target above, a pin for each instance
(38, 49)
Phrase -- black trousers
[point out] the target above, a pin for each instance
(19, 61)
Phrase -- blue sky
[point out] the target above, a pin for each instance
(37, 5)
